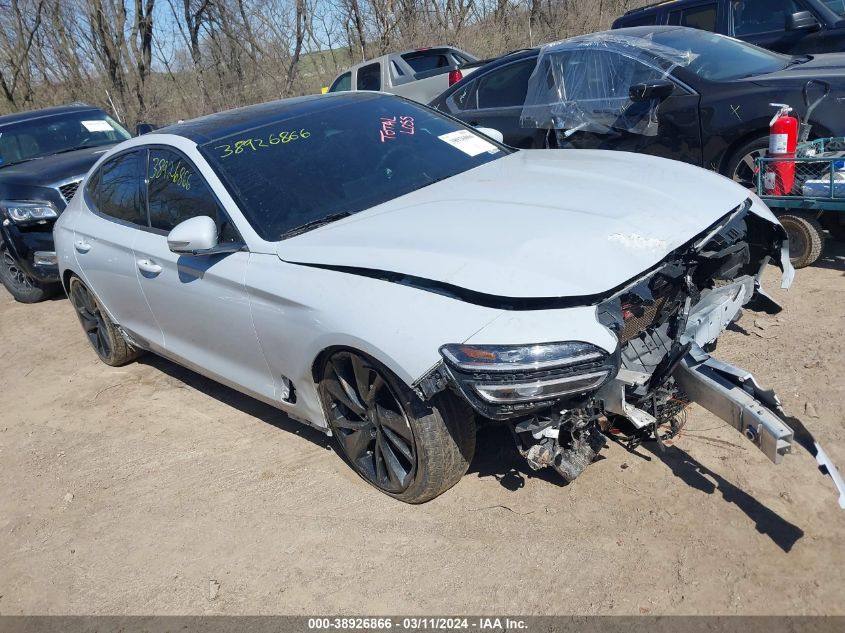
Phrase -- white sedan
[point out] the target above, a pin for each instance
(384, 273)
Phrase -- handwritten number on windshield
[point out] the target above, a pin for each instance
(254, 144)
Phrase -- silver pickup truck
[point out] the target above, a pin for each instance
(420, 74)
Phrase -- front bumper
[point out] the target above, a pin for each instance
(24, 242)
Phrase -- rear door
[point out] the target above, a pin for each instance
(199, 301)
(103, 241)
(495, 100)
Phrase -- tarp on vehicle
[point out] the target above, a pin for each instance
(584, 84)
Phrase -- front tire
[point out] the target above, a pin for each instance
(408, 449)
(105, 337)
(806, 239)
(741, 166)
(20, 285)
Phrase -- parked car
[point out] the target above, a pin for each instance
(43, 156)
(787, 26)
(354, 260)
(669, 91)
(420, 74)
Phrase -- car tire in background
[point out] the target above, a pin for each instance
(404, 447)
(21, 286)
(806, 238)
(740, 166)
(105, 337)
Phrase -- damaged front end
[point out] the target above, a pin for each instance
(561, 398)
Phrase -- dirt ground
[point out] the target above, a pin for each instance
(151, 490)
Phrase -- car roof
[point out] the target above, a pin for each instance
(17, 117)
(655, 6)
(223, 124)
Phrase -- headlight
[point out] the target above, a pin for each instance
(29, 211)
(522, 358)
(502, 379)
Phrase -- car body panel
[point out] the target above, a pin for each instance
(620, 229)
(704, 123)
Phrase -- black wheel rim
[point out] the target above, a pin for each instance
(93, 322)
(745, 173)
(370, 423)
(18, 277)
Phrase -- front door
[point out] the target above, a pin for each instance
(199, 301)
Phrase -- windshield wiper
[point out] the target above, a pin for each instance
(313, 224)
(19, 162)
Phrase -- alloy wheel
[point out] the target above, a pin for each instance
(369, 422)
(93, 322)
(17, 276)
(745, 172)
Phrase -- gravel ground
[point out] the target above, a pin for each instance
(151, 490)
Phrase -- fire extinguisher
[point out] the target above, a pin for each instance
(779, 178)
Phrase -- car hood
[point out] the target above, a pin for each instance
(827, 66)
(51, 169)
(537, 223)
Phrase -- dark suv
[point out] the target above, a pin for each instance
(44, 155)
(787, 26)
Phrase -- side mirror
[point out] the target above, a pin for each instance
(195, 236)
(659, 89)
(801, 21)
(493, 133)
(144, 128)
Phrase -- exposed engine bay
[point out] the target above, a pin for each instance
(666, 322)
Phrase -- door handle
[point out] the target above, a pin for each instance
(82, 246)
(146, 266)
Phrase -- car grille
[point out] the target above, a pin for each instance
(640, 312)
(68, 189)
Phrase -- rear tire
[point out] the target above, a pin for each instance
(105, 337)
(806, 239)
(404, 447)
(21, 286)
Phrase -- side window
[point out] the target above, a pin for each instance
(342, 83)
(423, 61)
(602, 76)
(463, 98)
(751, 17)
(116, 188)
(701, 17)
(177, 193)
(505, 87)
(645, 20)
(369, 77)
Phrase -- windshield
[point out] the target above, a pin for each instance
(719, 58)
(46, 135)
(342, 156)
(836, 5)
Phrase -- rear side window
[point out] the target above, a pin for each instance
(505, 87)
(761, 16)
(701, 17)
(369, 77)
(342, 83)
(422, 61)
(116, 188)
(644, 20)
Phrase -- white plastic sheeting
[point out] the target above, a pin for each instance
(584, 84)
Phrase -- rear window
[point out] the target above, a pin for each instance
(342, 157)
(422, 61)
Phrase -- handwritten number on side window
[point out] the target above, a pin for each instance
(175, 172)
